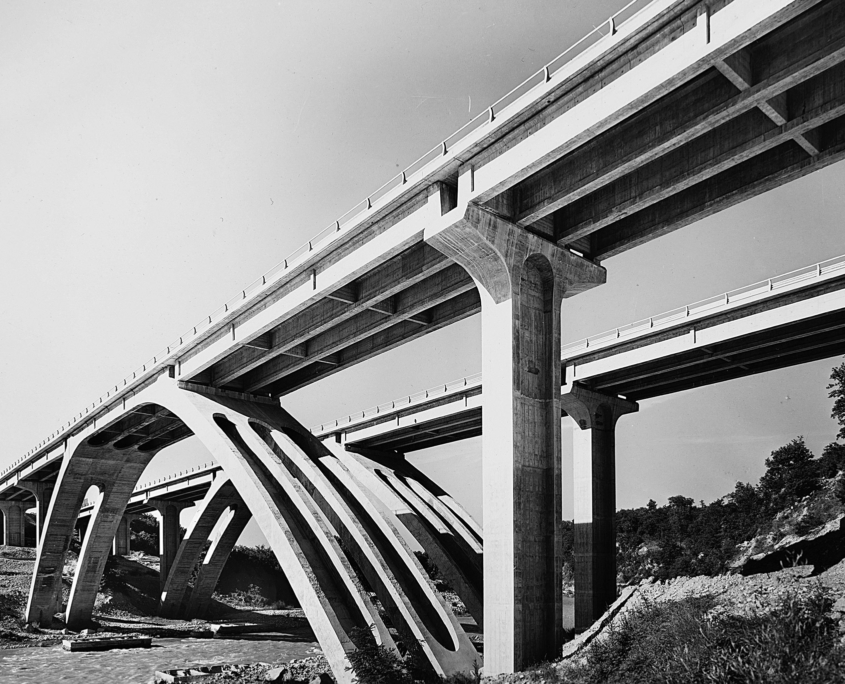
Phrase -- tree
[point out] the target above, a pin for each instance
(837, 393)
(791, 472)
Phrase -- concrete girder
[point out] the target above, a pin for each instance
(594, 474)
(384, 239)
(446, 532)
(672, 57)
(436, 289)
(799, 326)
(721, 148)
(764, 172)
(682, 119)
(366, 293)
(522, 280)
(440, 316)
(221, 499)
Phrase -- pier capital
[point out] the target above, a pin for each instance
(494, 250)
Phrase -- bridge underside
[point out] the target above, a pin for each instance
(803, 327)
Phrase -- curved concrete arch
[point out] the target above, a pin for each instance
(222, 497)
(213, 563)
(439, 524)
(388, 564)
(325, 584)
(115, 472)
(305, 502)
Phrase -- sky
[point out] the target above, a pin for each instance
(156, 157)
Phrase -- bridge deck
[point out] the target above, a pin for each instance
(668, 114)
(783, 321)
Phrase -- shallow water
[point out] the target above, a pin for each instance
(138, 665)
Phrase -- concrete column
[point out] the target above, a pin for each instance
(121, 543)
(14, 523)
(43, 492)
(81, 528)
(522, 280)
(169, 536)
(594, 466)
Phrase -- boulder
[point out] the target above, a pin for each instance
(278, 674)
(321, 678)
(822, 548)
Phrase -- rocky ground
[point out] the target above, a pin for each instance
(117, 615)
(735, 594)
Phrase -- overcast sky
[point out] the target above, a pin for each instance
(156, 157)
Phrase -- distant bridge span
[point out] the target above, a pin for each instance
(674, 110)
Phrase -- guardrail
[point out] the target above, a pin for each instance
(410, 400)
(784, 282)
(416, 171)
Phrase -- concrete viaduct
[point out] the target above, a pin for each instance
(674, 110)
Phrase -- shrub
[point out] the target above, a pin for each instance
(261, 555)
(250, 597)
(143, 532)
(374, 663)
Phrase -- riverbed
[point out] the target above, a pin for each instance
(138, 665)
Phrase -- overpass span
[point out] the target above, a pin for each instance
(676, 110)
(592, 153)
(785, 320)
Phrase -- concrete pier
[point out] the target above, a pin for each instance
(43, 491)
(169, 534)
(522, 280)
(594, 458)
(121, 544)
(14, 523)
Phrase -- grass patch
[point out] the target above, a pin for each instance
(685, 641)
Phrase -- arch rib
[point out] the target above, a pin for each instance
(176, 601)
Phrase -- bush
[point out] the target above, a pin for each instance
(143, 532)
(250, 597)
(373, 663)
(261, 555)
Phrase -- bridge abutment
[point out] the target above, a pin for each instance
(594, 466)
(522, 280)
